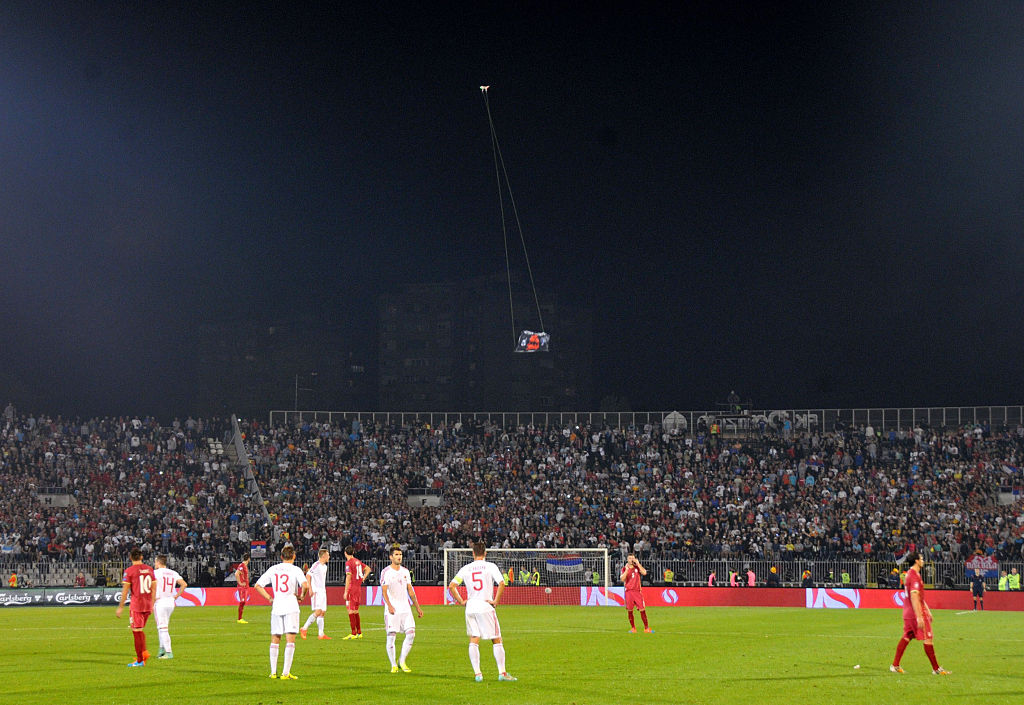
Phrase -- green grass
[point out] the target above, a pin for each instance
(560, 654)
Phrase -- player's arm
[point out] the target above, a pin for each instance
(497, 595)
(387, 600)
(643, 571)
(238, 578)
(915, 600)
(305, 589)
(309, 584)
(415, 600)
(181, 587)
(453, 590)
(260, 589)
(348, 583)
(364, 571)
(125, 587)
(625, 572)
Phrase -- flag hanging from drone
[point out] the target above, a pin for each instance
(532, 342)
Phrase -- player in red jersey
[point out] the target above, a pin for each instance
(355, 573)
(630, 576)
(242, 578)
(917, 619)
(137, 580)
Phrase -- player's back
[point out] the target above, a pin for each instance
(284, 580)
(354, 568)
(480, 577)
(140, 578)
(165, 581)
(317, 577)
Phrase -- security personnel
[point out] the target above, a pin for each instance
(669, 576)
(1004, 582)
(524, 576)
(535, 578)
(1013, 579)
(596, 578)
(845, 577)
(12, 582)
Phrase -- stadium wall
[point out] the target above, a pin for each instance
(811, 598)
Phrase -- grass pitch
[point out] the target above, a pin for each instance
(560, 655)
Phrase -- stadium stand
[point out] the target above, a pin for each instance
(807, 495)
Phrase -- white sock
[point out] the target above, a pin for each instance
(320, 625)
(407, 644)
(391, 650)
(309, 621)
(273, 658)
(289, 654)
(474, 656)
(499, 656)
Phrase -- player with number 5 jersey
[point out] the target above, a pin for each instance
(480, 578)
(138, 582)
(288, 585)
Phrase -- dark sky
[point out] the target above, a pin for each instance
(812, 205)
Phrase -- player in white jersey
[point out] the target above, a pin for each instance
(285, 580)
(396, 584)
(317, 576)
(168, 586)
(480, 577)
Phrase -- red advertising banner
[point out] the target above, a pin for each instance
(811, 598)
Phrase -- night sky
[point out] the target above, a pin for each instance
(815, 206)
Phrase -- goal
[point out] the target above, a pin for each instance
(540, 576)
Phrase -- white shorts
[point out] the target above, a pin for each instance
(399, 622)
(483, 625)
(284, 623)
(162, 612)
(319, 601)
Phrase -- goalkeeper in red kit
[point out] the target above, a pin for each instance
(631, 574)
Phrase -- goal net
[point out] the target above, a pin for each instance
(539, 576)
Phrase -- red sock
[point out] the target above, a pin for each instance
(241, 606)
(930, 650)
(359, 624)
(643, 616)
(352, 622)
(900, 648)
(632, 624)
(140, 644)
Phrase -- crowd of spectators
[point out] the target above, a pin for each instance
(800, 494)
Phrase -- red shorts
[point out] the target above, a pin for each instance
(353, 602)
(243, 594)
(911, 631)
(137, 620)
(635, 598)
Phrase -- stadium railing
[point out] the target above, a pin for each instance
(430, 571)
(882, 419)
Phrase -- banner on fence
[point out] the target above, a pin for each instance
(565, 563)
(988, 566)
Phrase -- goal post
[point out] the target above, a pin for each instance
(540, 576)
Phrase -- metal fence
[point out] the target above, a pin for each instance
(430, 571)
(750, 420)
